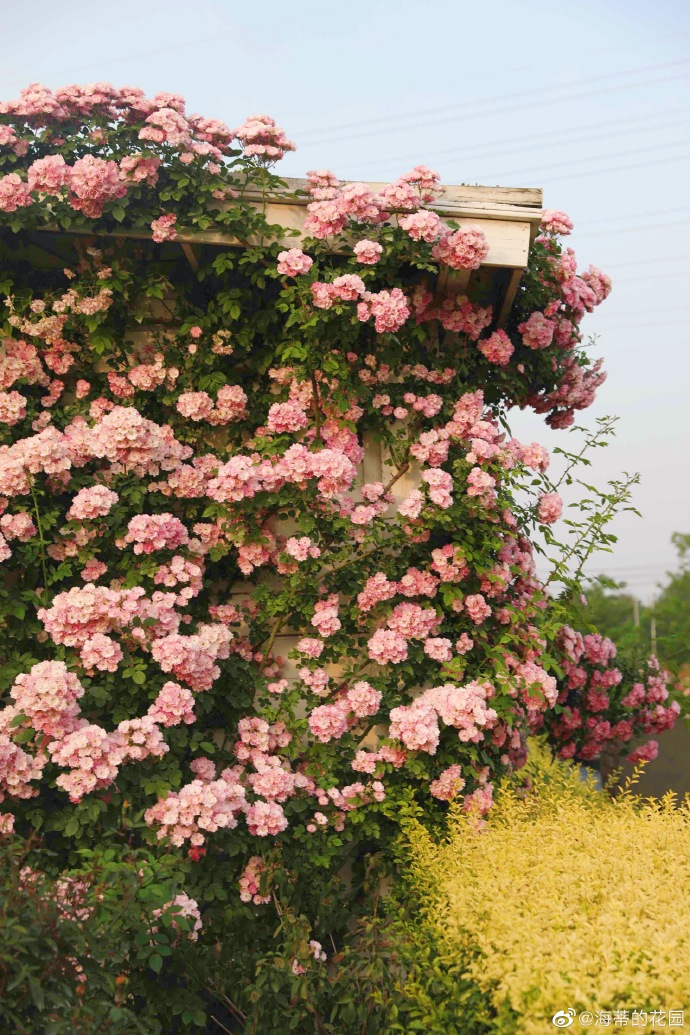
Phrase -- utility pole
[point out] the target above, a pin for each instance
(636, 613)
(653, 632)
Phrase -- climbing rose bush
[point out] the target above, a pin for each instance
(220, 634)
(603, 705)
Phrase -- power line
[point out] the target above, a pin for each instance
(566, 135)
(584, 161)
(489, 112)
(549, 88)
(638, 569)
(619, 168)
(636, 215)
(482, 181)
(654, 569)
(650, 262)
(634, 577)
(654, 276)
(638, 229)
(644, 326)
(144, 54)
(651, 312)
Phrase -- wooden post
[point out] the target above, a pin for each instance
(190, 255)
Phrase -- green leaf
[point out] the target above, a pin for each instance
(118, 213)
(156, 962)
(36, 993)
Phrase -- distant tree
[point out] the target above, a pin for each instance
(672, 609)
(610, 609)
(613, 615)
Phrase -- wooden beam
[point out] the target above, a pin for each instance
(528, 200)
(509, 297)
(508, 240)
(509, 218)
(452, 282)
(190, 255)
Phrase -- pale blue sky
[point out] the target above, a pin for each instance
(590, 101)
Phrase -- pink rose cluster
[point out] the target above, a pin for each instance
(389, 310)
(334, 205)
(92, 502)
(107, 457)
(250, 882)
(601, 708)
(242, 477)
(462, 707)
(199, 808)
(263, 139)
(464, 249)
(101, 652)
(78, 614)
(183, 906)
(12, 408)
(497, 348)
(345, 288)
(164, 228)
(555, 222)
(192, 659)
(47, 700)
(155, 532)
(18, 526)
(330, 721)
(93, 757)
(91, 181)
(230, 405)
(294, 263)
(550, 508)
(88, 185)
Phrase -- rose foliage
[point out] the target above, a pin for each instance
(219, 635)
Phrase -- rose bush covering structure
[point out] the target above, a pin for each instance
(180, 484)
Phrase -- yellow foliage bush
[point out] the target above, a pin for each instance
(566, 899)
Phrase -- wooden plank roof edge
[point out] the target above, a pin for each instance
(531, 196)
(201, 237)
(466, 201)
(502, 206)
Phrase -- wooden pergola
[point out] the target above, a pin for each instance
(508, 216)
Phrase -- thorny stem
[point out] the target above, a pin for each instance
(216, 992)
(317, 405)
(603, 517)
(397, 476)
(606, 427)
(41, 539)
(350, 560)
(277, 626)
(276, 902)
(221, 1026)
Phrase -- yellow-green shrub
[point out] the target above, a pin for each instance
(565, 899)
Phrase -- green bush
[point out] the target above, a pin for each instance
(89, 952)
